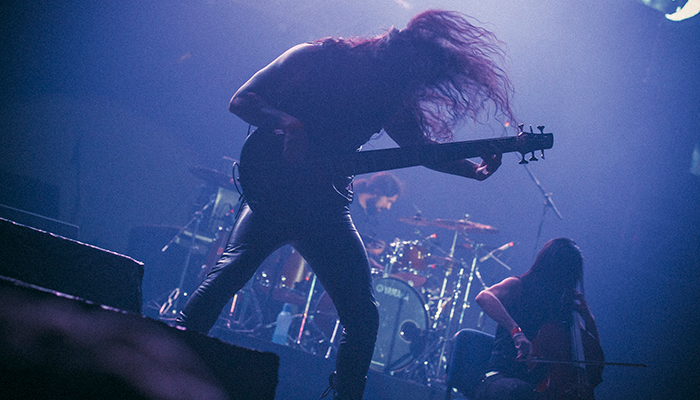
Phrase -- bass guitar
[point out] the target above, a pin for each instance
(268, 180)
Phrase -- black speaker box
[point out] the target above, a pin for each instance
(68, 266)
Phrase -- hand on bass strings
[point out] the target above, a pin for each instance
(488, 166)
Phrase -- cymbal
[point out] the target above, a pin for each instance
(460, 225)
(214, 177)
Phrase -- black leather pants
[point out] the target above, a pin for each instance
(329, 242)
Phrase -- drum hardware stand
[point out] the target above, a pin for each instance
(305, 315)
(239, 323)
(474, 270)
(395, 331)
(432, 341)
(172, 304)
(441, 306)
(465, 304)
(332, 340)
(305, 318)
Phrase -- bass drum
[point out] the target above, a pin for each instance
(403, 318)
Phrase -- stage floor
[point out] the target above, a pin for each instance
(304, 376)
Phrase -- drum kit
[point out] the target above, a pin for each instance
(424, 294)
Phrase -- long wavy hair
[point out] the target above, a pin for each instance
(447, 68)
(559, 260)
(556, 272)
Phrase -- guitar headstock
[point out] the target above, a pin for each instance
(529, 142)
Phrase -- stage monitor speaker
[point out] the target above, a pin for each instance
(40, 222)
(54, 262)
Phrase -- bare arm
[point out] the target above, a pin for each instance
(491, 301)
(405, 131)
(254, 102)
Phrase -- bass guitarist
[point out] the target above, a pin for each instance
(327, 98)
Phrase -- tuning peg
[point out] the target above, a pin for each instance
(542, 155)
(523, 161)
(520, 126)
(532, 157)
(541, 128)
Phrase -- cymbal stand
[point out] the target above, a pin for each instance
(450, 327)
(448, 272)
(473, 271)
(441, 365)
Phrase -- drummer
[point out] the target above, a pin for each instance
(372, 196)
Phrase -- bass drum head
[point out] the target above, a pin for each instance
(402, 319)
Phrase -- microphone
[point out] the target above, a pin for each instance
(504, 247)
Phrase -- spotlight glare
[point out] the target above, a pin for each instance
(689, 10)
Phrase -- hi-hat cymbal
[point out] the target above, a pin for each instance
(460, 225)
(214, 177)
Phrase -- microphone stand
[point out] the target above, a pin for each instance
(172, 304)
(548, 203)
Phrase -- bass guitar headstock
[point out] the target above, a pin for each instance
(529, 142)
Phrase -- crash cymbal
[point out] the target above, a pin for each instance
(214, 177)
(460, 225)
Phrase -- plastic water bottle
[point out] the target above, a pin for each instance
(284, 320)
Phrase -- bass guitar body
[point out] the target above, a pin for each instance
(270, 182)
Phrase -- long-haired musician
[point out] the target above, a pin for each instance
(328, 98)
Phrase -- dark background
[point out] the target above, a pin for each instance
(106, 106)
